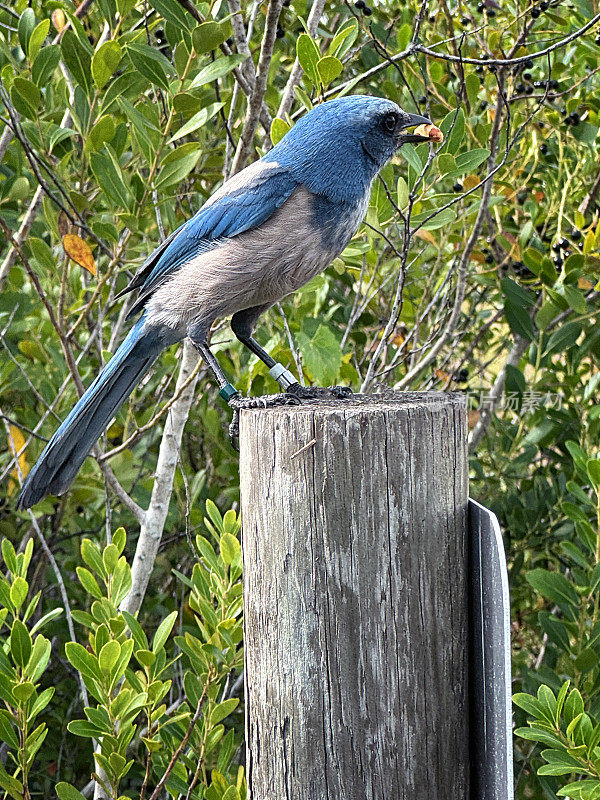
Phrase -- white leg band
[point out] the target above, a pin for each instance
(282, 375)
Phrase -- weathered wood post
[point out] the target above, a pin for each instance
(355, 599)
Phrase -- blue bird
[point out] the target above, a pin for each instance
(265, 233)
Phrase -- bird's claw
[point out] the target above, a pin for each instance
(266, 401)
(317, 392)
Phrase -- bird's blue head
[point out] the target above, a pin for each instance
(339, 146)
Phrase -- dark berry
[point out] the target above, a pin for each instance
(432, 18)
(556, 247)
(558, 262)
(544, 5)
(563, 244)
(79, 509)
(528, 64)
(479, 69)
(492, 68)
(597, 39)
(576, 235)
(489, 259)
(422, 99)
(367, 11)
(280, 33)
(529, 90)
(575, 118)
(360, 4)
(554, 83)
(563, 111)
(521, 197)
(465, 21)
(527, 76)
(491, 13)
(535, 12)
(480, 7)
(543, 149)
(520, 88)
(457, 187)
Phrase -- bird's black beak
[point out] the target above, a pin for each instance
(411, 121)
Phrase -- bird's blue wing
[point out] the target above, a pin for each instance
(242, 203)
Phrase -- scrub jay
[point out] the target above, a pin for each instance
(263, 234)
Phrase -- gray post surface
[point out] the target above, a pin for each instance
(355, 599)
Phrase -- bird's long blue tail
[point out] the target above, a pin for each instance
(66, 451)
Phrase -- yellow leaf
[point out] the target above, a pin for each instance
(427, 236)
(79, 251)
(58, 19)
(16, 442)
(583, 283)
(470, 182)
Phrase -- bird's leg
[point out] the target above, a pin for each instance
(231, 395)
(242, 324)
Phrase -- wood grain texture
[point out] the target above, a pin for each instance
(355, 598)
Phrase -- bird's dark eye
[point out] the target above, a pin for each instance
(389, 122)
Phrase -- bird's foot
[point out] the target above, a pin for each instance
(317, 392)
(237, 403)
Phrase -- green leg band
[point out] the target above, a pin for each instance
(227, 392)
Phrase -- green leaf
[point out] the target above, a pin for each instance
(110, 177)
(45, 64)
(121, 582)
(554, 586)
(20, 643)
(9, 556)
(593, 470)
(587, 789)
(109, 655)
(217, 69)
(11, 785)
(37, 38)
(532, 706)
(573, 706)
(41, 702)
(279, 128)
(174, 169)
(163, 632)
(344, 39)
(67, 792)
(83, 661)
(7, 732)
(308, 56)
(150, 63)
(139, 637)
(25, 28)
(402, 193)
(412, 157)
(92, 557)
(23, 691)
(453, 128)
(321, 352)
(230, 548)
(439, 220)
(222, 710)
(562, 338)
(329, 68)
(174, 13)
(77, 60)
(81, 727)
(197, 121)
(105, 62)
(209, 35)
(88, 582)
(467, 162)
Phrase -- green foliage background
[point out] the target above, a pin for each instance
(129, 118)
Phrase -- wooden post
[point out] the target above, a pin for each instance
(355, 599)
